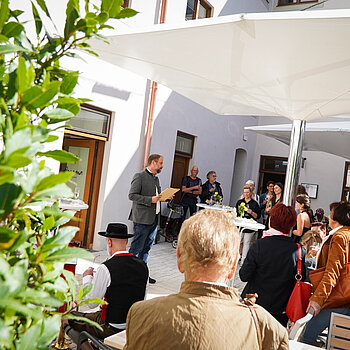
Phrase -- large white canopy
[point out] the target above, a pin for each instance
(293, 64)
(330, 137)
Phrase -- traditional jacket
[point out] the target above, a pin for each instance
(334, 255)
(202, 316)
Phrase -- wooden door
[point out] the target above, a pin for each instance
(180, 170)
(87, 181)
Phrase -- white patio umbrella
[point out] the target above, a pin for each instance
(292, 64)
(330, 137)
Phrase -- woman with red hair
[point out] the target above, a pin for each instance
(271, 264)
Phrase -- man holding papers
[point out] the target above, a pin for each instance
(145, 196)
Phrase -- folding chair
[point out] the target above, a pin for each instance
(97, 343)
(339, 332)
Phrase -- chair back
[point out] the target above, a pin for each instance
(339, 332)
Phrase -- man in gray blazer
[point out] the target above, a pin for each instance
(144, 194)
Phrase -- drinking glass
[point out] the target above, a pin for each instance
(76, 192)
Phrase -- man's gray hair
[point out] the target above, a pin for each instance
(250, 182)
(210, 173)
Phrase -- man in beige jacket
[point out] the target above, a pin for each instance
(205, 314)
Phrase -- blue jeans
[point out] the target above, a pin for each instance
(319, 323)
(144, 236)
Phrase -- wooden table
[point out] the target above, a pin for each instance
(116, 340)
(295, 345)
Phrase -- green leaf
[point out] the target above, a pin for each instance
(50, 329)
(67, 253)
(57, 191)
(6, 177)
(69, 82)
(16, 307)
(60, 155)
(10, 48)
(48, 224)
(37, 19)
(102, 17)
(72, 14)
(42, 4)
(93, 301)
(54, 180)
(126, 13)
(35, 97)
(16, 161)
(52, 138)
(57, 115)
(28, 341)
(12, 29)
(86, 290)
(7, 237)
(84, 319)
(70, 103)
(63, 237)
(4, 12)
(112, 7)
(19, 142)
(8, 197)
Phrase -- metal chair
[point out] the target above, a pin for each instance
(98, 343)
(339, 332)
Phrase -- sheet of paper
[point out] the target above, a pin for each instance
(168, 193)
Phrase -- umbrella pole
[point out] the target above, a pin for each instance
(294, 162)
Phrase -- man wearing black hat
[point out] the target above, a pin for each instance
(121, 281)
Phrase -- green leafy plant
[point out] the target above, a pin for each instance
(216, 197)
(35, 99)
(242, 208)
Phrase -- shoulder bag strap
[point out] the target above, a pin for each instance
(299, 262)
(250, 301)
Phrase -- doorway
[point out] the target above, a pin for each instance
(85, 182)
(271, 169)
(180, 170)
(239, 175)
(183, 154)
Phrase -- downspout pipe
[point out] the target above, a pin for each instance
(152, 100)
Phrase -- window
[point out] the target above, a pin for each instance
(184, 143)
(294, 2)
(91, 120)
(198, 9)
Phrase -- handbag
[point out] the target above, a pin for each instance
(340, 294)
(299, 299)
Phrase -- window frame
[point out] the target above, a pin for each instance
(186, 136)
(299, 2)
(75, 131)
(206, 5)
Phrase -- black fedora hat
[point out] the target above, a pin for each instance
(116, 230)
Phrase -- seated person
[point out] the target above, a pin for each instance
(312, 237)
(312, 241)
(206, 313)
(121, 281)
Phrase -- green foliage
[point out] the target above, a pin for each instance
(36, 95)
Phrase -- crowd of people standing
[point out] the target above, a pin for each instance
(208, 252)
